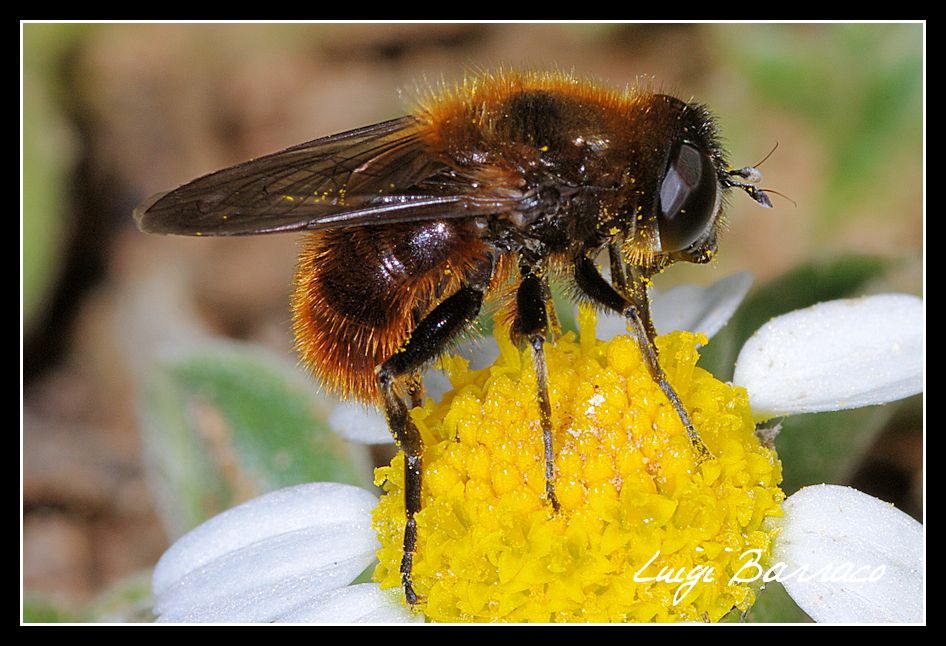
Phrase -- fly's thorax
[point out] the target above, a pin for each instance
(589, 166)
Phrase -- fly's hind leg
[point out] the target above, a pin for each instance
(630, 300)
(402, 371)
(532, 325)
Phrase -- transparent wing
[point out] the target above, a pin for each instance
(377, 174)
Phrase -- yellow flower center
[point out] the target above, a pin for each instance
(645, 531)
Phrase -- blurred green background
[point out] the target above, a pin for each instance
(159, 383)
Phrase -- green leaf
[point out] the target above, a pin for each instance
(828, 447)
(227, 423)
(41, 611)
(773, 605)
(825, 447)
(48, 154)
(129, 600)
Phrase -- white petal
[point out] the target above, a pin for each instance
(700, 309)
(355, 604)
(842, 534)
(356, 423)
(266, 556)
(835, 355)
(688, 307)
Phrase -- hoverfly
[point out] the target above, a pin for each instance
(413, 223)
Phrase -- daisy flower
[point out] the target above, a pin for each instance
(646, 531)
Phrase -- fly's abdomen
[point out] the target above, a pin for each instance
(361, 291)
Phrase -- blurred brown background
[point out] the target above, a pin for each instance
(114, 113)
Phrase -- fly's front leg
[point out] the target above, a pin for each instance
(532, 324)
(637, 292)
(428, 341)
(634, 305)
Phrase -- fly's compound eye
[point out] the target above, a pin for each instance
(689, 198)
